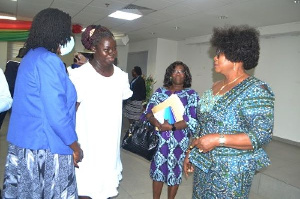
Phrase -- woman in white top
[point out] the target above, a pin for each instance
(5, 97)
(101, 88)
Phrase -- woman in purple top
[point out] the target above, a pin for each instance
(166, 166)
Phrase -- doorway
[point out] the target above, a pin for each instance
(137, 59)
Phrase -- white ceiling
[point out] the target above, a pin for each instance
(192, 17)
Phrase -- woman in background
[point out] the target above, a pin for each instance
(166, 166)
(101, 87)
(43, 146)
(134, 106)
(236, 118)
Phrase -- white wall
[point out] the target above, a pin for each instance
(122, 57)
(165, 55)
(146, 45)
(161, 53)
(3, 55)
(279, 66)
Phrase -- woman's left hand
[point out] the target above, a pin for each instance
(207, 142)
(187, 166)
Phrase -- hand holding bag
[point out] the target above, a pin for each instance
(141, 139)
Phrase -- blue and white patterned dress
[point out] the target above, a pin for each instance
(167, 163)
(247, 108)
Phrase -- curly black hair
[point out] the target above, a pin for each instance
(93, 35)
(238, 43)
(50, 28)
(188, 76)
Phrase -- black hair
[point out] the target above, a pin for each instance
(50, 28)
(87, 55)
(22, 52)
(187, 75)
(93, 35)
(137, 70)
(238, 43)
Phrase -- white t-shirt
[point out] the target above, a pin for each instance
(5, 97)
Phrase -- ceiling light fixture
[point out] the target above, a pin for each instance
(296, 1)
(7, 17)
(176, 28)
(125, 15)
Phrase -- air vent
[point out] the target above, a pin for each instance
(141, 9)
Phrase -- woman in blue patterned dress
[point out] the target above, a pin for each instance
(236, 119)
(166, 166)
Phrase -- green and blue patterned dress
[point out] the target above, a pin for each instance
(247, 108)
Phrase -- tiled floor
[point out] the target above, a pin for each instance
(281, 180)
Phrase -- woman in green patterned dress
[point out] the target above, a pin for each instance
(236, 118)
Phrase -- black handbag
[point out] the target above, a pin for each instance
(141, 139)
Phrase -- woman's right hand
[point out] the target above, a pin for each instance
(187, 166)
(77, 153)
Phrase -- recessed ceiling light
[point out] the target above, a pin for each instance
(296, 1)
(124, 15)
(176, 28)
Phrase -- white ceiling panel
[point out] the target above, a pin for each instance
(155, 5)
(130, 26)
(108, 4)
(179, 10)
(97, 10)
(110, 22)
(125, 1)
(148, 20)
(193, 17)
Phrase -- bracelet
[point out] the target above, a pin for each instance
(222, 140)
(189, 149)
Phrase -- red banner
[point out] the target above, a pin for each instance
(14, 24)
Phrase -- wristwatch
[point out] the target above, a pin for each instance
(173, 127)
(222, 140)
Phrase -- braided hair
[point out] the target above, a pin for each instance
(93, 35)
(187, 75)
(50, 29)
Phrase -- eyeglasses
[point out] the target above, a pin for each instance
(178, 72)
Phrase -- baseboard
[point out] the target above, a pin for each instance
(286, 141)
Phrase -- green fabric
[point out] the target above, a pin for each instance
(13, 35)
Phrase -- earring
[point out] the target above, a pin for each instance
(171, 78)
(234, 68)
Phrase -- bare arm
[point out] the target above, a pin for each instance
(165, 126)
(77, 153)
(209, 142)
